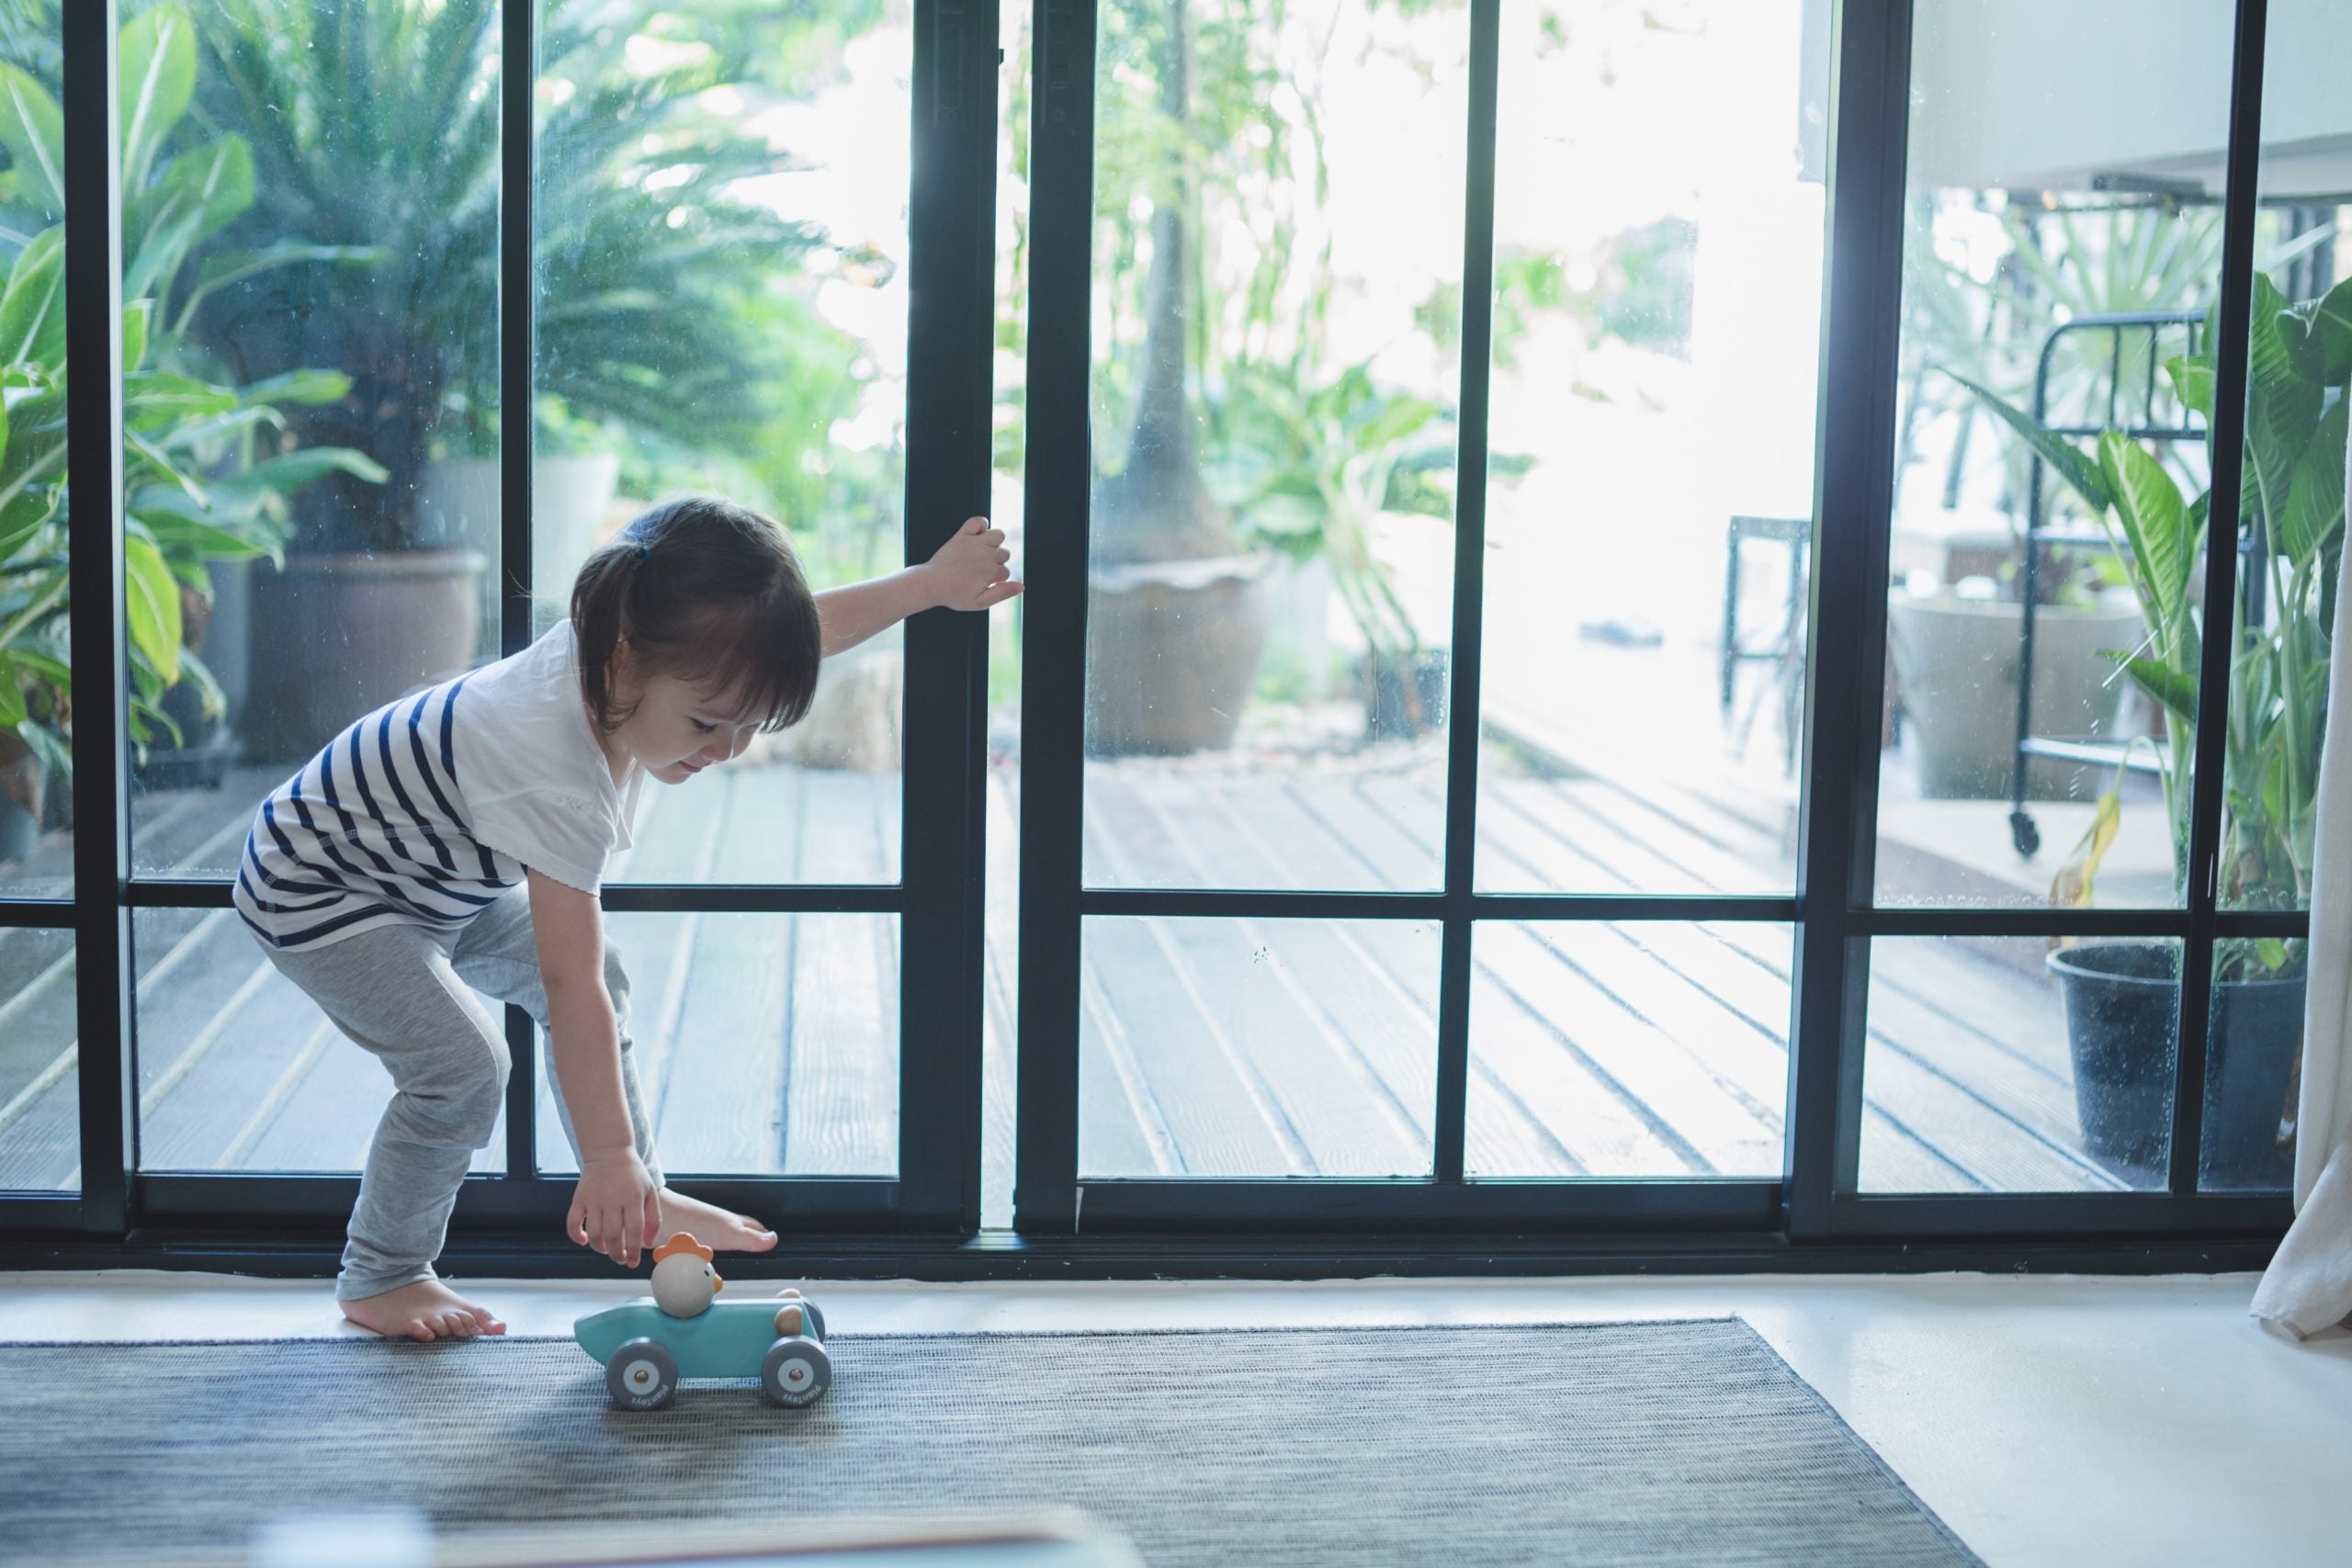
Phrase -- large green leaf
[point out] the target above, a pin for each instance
(2314, 508)
(289, 471)
(155, 76)
(2156, 524)
(297, 386)
(2331, 322)
(215, 181)
(2175, 689)
(2079, 470)
(151, 601)
(32, 312)
(134, 331)
(33, 130)
(2282, 408)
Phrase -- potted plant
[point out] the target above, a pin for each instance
(1955, 643)
(639, 289)
(2119, 994)
(1310, 469)
(1176, 615)
(205, 464)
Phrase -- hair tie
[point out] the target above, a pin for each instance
(644, 553)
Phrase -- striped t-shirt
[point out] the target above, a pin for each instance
(426, 810)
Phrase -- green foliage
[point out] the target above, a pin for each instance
(375, 126)
(207, 466)
(2301, 362)
(1307, 466)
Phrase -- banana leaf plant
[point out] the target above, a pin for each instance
(2292, 491)
(207, 466)
(1308, 465)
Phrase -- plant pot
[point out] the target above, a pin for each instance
(1172, 651)
(2123, 1010)
(1956, 663)
(338, 636)
(1388, 714)
(458, 499)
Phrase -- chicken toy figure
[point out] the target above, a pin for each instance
(682, 1330)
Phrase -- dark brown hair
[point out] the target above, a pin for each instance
(705, 591)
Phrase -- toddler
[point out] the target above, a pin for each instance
(454, 841)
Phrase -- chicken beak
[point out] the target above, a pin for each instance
(716, 1284)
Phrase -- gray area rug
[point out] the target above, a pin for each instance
(1617, 1443)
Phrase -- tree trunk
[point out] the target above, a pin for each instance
(1156, 508)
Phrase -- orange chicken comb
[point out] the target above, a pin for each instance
(683, 1242)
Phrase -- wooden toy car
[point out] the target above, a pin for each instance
(646, 1350)
(682, 1330)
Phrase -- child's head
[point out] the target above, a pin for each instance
(696, 631)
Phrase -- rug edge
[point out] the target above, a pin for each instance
(1221, 1332)
(1877, 1460)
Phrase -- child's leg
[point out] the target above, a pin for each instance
(497, 954)
(392, 991)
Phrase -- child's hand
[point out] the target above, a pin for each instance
(617, 1208)
(971, 570)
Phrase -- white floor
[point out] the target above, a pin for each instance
(2047, 1419)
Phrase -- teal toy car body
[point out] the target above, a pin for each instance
(646, 1351)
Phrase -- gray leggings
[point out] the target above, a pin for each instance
(407, 994)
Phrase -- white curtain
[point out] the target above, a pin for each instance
(2309, 1286)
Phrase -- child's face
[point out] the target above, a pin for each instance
(679, 728)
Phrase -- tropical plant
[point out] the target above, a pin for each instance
(2292, 493)
(207, 467)
(374, 125)
(1306, 468)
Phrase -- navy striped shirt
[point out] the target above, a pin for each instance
(425, 811)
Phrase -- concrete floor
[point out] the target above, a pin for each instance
(2071, 1420)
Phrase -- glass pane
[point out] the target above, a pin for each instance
(2253, 1050)
(1278, 288)
(721, 260)
(40, 1100)
(1256, 1048)
(2070, 176)
(348, 347)
(36, 742)
(1633, 1050)
(238, 1067)
(2292, 496)
(2000, 1064)
(1650, 447)
(766, 1044)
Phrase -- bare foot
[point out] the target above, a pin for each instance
(713, 1226)
(424, 1310)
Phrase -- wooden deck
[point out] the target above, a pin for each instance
(1209, 1047)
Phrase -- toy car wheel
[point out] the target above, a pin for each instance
(795, 1371)
(642, 1375)
(816, 1329)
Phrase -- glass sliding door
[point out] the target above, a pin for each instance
(1389, 788)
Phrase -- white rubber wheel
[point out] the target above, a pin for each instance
(642, 1375)
(795, 1371)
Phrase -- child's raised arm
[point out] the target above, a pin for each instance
(617, 1206)
(970, 571)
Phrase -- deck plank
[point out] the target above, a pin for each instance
(721, 1107)
(1282, 1043)
(841, 1082)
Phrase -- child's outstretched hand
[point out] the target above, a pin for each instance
(972, 570)
(617, 1208)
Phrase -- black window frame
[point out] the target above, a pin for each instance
(1812, 1217)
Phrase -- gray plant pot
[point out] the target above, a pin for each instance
(1172, 651)
(1956, 663)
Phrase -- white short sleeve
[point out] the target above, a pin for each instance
(537, 785)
